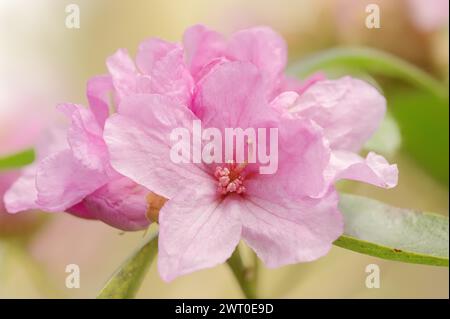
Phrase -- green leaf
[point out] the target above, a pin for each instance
(17, 160)
(126, 281)
(423, 122)
(379, 230)
(372, 61)
(387, 139)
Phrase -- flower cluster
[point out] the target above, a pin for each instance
(108, 164)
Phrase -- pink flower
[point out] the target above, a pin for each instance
(287, 217)
(74, 174)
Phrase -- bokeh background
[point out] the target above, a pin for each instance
(43, 63)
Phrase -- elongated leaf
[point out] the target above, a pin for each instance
(379, 230)
(17, 160)
(125, 283)
(372, 61)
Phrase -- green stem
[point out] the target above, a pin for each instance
(245, 276)
(127, 280)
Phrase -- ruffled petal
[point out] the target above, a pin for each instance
(374, 169)
(202, 46)
(98, 89)
(123, 72)
(170, 77)
(150, 52)
(85, 137)
(349, 110)
(261, 46)
(22, 195)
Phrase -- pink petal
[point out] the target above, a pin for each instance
(303, 155)
(139, 143)
(150, 52)
(170, 76)
(283, 231)
(85, 137)
(22, 194)
(232, 95)
(121, 203)
(197, 231)
(164, 69)
(98, 89)
(62, 181)
(288, 83)
(349, 110)
(374, 169)
(123, 73)
(202, 46)
(261, 46)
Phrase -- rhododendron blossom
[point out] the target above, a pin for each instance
(287, 216)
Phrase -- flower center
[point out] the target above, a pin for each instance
(230, 179)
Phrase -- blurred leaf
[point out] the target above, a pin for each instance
(387, 139)
(379, 230)
(422, 113)
(424, 125)
(17, 160)
(372, 61)
(125, 283)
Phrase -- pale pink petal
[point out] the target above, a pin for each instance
(284, 101)
(165, 70)
(121, 203)
(374, 169)
(284, 231)
(261, 46)
(197, 230)
(139, 144)
(202, 46)
(22, 194)
(123, 73)
(288, 83)
(232, 95)
(150, 52)
(98, 89)
(170, 77)
(349, 110)
(303, 155)
(62, 181)
(85, 137)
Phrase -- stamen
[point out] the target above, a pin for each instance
(229, 178)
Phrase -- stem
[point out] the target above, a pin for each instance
(245, 276)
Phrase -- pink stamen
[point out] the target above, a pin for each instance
(230, 179)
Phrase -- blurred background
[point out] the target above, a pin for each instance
(43, 63)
